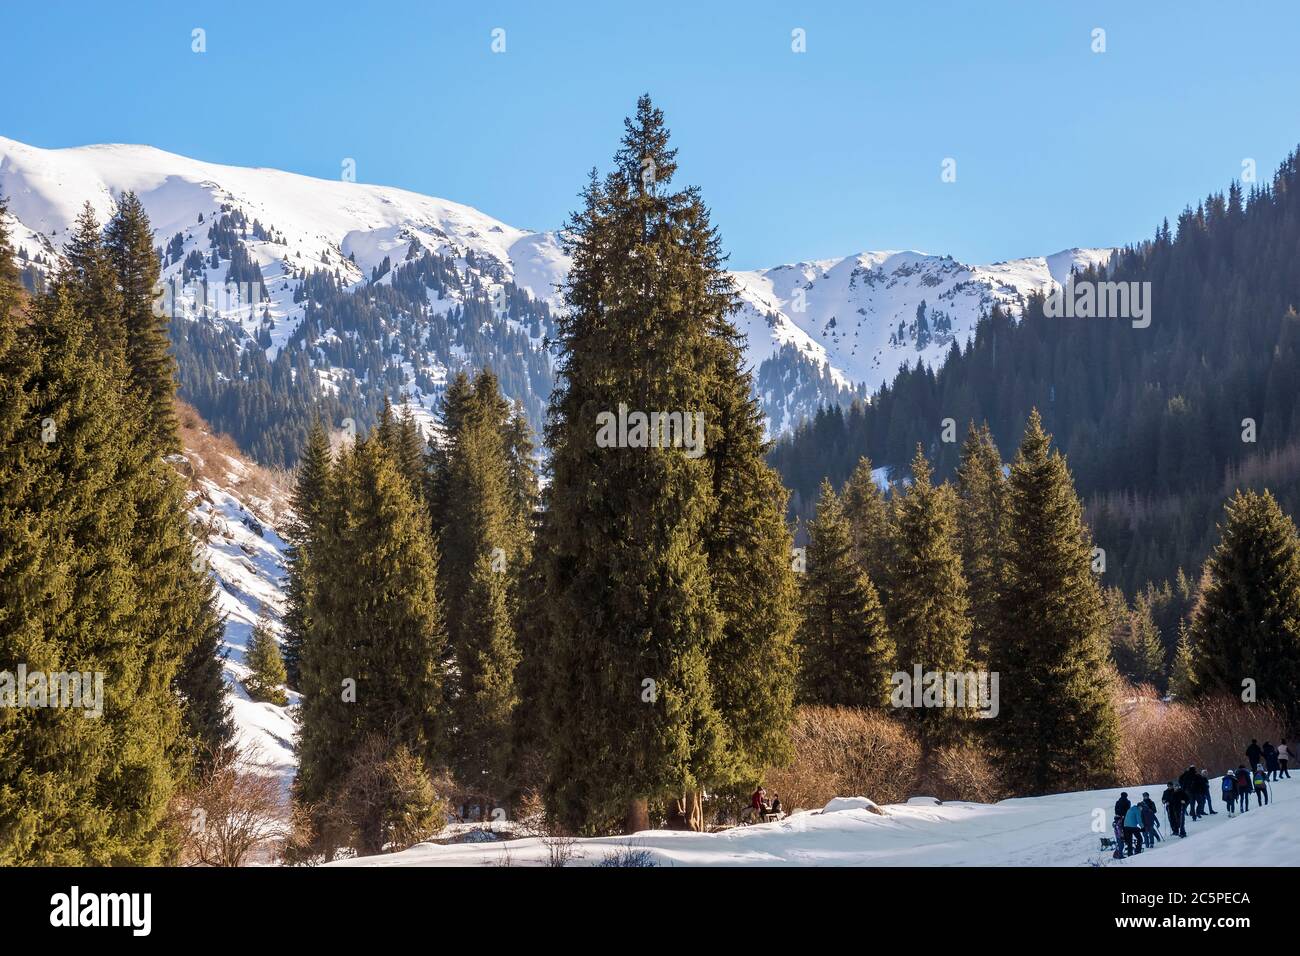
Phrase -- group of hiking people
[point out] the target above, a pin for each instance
(1137, 825)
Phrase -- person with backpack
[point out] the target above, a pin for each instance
(1228, 789)
(1150, 821)
(1283, 757)
(1175, 799)
(1244, 787)
(1253, 753)
(1261, 786)
(1270, 760)
(1133, 830)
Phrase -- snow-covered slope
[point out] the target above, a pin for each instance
(1056, 830)
(242, 551)
(817, 331)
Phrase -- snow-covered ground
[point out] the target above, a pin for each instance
(1056, 830)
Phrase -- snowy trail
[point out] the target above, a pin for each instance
(1056, 830)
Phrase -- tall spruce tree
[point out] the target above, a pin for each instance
(846, 655)
(370, 661)
(1057, 729)
(635, 621)
(1182, 673)
(1148, 653)
(129, 241)
(927, 609)
(1247, 624)
(306, 502)
(980, 519)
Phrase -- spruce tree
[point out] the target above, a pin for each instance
(870, 523)
(306, 502)
(208, 723)
(980, 520)
(266, 673)
(633, 617)
(1057, 729)
(1247, 624)
(129, 241)
(1148, 653)
(846, 656)
(1182, 675)
(370, 661)
(927, 609)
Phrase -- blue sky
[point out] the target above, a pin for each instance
(824, 153)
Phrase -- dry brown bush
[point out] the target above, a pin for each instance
(235, 813)
(963, 772)
(1158, 740)
(845, 752)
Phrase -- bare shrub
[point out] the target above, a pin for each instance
(842, 751)
(1158, 739)
(561, 850)
(628, 856)
(964, 772)
(235, 810)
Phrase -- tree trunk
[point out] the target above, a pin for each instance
(693, 810)
(638, 815)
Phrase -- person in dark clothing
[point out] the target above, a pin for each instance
(1149, 821)
(1261, 786)
(1253, 753)
(1270, 760)
(1245, 785)
(1121, 807)
(1190, 783)
(1229, 790)
(1206, 790)
(1175, 800)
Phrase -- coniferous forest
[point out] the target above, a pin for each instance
(588, 436)
(488, 623)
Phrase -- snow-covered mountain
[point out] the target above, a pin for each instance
(440, 286)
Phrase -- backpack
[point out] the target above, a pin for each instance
(1259, 779)
(1229, 784)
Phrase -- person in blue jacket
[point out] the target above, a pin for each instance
(1133, 829)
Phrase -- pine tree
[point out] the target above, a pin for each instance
(870, 522)
(1247, 624)
(129, 241)
(266, 674)
(1182, 676)
(1147, 650)
(96, 791)
(200, 683)
(927, 609)
(632, 611)
(1057, 729)
(308, 492)
(846, 655)
(980, 520)
(481, 524)
(375, 629)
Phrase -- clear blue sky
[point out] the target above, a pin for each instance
(810, 155)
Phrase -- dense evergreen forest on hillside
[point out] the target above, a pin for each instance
(1153, 421)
